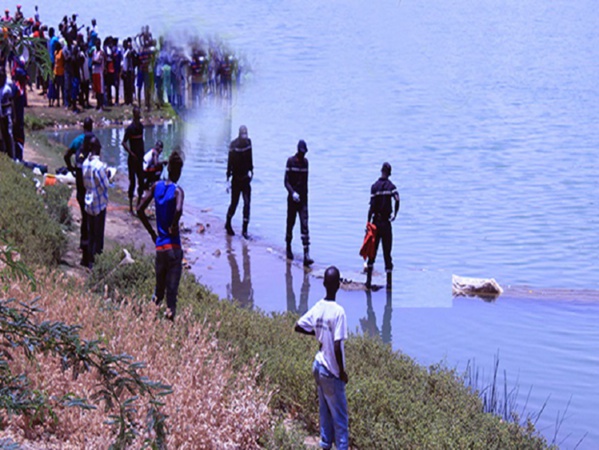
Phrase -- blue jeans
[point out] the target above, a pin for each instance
(333, 408)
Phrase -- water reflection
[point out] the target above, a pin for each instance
(240, 289)
(368, 323)
(304, 292)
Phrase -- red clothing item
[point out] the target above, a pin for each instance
(368, 250)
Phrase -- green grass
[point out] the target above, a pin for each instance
(32, 222)
(393, 402)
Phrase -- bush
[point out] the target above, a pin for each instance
(24, 218)
(123, 279)
(197, 399)
(35, 123)
(56, 200)
(284, 437)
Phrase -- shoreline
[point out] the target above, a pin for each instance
(203, 250)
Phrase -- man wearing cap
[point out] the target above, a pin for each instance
(296, 183)
(379, 213)
(240, 168)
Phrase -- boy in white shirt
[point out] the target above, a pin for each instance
(326, 320)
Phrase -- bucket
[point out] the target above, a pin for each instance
(49, 179)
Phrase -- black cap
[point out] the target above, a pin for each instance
(386, 168)
(301, 146)
(159, 144)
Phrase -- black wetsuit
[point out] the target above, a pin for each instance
(296, 180)
(134, 134)
(239, 164)
(382, 192)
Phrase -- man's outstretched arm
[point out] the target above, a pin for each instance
(141, 212)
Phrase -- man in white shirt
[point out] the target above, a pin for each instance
(326, 320)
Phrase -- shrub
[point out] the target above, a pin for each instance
(25, 220)
(212, 403)
(35, 123)
(284, 437)
(113, 278)
(56, 199)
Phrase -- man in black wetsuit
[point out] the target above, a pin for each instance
(379, 213)
(296, 182)
(240, 168)
(133, 142)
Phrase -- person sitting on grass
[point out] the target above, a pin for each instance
(168, 198)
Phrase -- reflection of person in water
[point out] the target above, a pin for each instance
(238, 289)
(304, 292)
(368, 323)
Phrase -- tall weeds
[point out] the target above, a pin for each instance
(211, 405)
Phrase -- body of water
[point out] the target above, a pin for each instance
(487, 113)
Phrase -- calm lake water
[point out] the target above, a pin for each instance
(488, 114)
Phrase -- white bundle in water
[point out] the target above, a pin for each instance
(482, 287)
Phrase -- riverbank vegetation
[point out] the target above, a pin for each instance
(234, 376)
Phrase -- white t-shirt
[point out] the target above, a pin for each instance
(327, 319)
(148, 159)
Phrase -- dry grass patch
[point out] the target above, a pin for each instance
(211, 405)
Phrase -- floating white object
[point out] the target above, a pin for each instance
(482, 287)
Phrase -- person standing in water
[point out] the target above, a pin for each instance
(296, 183)
(240, 167)
(133, 142)
(382, 192)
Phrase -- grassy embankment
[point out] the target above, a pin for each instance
(255, 359)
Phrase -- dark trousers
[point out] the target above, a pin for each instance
(74, 90)
(83, 241)
(95, 234)
(150, 178)
(6, 129)
(128, 86)
(59, 89)
(238, 188)
(108, 84)
(169, 266)
(66, 92)
(136, 172)
(84, 93)
(19, 127)
(117, 87)
(384, 234)
(294, 209)
(159, 90)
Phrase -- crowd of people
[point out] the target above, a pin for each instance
(73, 63)
(151, 72)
